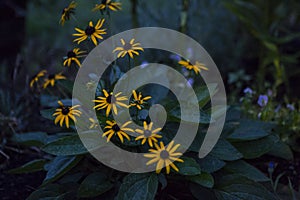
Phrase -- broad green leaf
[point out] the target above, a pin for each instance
(59, 166)
(225, 151)
(48, 191)
(204, 179)
(203, 93)
(188, 167)
(251, 130)
(282, 150)
(32, 166)
(67, 85)
(256, 148)
(138, 187)
(31, 138)
(210, 163)
(244, 169)
(94, 184)
(47, 113)
(200, 192)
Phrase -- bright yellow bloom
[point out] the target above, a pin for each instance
(128, 48)
(148, 134)
(108, 4)
(72, 56)
(164, 156)
(67, 12)
(115, 129)
(52, 78)
(197, 67)
(64, 113)
(36, 78)
(138, 100)
(110, 102)
(92, 32)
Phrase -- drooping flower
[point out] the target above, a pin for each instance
(148, 134)
(129, 48)
(248, 90)
(37, 77)
(138, 100)
(72, 56)
(164, 156)
(67, 12)
(262, 100)
(115, 129)
(91, 31)
(197, 66)
(51, 79)
(107, 4)
(65, 113)
(110, 102)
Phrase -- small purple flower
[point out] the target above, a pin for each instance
(190, 82)
(175, 57)
(144, 64)
(248, 90)
(262, 100)
(290, 107)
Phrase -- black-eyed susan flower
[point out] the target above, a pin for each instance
(164, 156)
(52, 78)
(110, 102)
(148, 134)
(36, 78)
(72, 56)
(92, 32)
(139, 100)
(94, 123)
(129, 48)
(107, 4)
(114, 128)
(197, 67)
(65, 113)
(67, 12)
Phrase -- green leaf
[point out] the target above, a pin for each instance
(256, 148)
(67, 85)
(94, 184)
(50, 191)
(32, 166)
(204, 179)
(31, 138)
(244, 169)
(70, 145)
(188, 167)
(282, 150)
(251, 130)
(59, 166)
(211, 164)
(47, 113)
(203, 93)
(241, 188)
(225, 151)
(138, 187)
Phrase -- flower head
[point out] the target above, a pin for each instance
(114, 128)
(67, 12)
(291, 107)
(164, 156)
(148, 134)
(52, 78)
(128, 48)
(138, 100)
(72, 56)
(36, 78)
(248, 90)
(108, 4)
(110, 102)
(64, 113)
(91, 31)
(262, 100)
(197, 67)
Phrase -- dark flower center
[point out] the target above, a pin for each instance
(65, 110)
(111, 99)
(164, 154)
(71, 54)
(64, 10)
(116, 128)
(147, 133)
(51, 76)
(127, 46)
(89, 30)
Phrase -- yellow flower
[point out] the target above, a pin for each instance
(67, 12)
(92, 32)
(110, 101)
(72, 56)
(114, 6)
(196, 67)
(128, 48)
(115, 129)
(64, 113)
(164, 156)
(94, 123)
(138, 100)
(52, 78)
(36, 78)
(148, 134)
